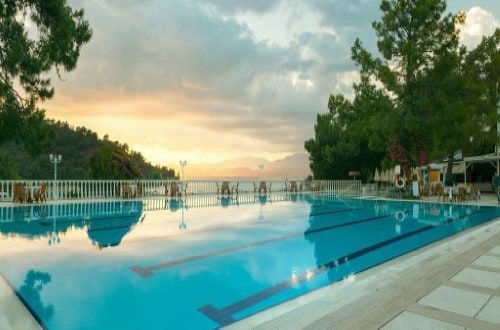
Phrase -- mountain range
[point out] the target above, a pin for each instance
(295, 166)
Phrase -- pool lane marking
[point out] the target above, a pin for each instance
(224, 317)
(148, 271)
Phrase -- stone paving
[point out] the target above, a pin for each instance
(13, 314)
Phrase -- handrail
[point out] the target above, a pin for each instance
(112, 189)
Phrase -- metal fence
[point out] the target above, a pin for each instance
(102, 189)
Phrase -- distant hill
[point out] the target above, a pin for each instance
(293, 166)
(84, 156)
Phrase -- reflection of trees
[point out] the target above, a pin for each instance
(110, 230)
(175, 204)
(34, 221)
(30, 291)
(106, 222)
(332, 245)
(225, 201)
(348, 235)
(324, 241)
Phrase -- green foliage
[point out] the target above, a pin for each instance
(410, 35)
(84, 157)
(462, 93)
(398, 193)
(351, 135)
(112, 161)
(36, 36)
(7, 169)
(425, 96)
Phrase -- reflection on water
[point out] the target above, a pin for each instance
(106, 223)
(370, 231)
(225, 201)
(174, 204)
(194, 201)
(30, 291)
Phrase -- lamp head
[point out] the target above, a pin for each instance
(55, 158)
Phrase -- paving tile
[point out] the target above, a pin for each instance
(4, 325)
(495, 249)
(455, 300)
(491, 312)
(10, 305)
(409, 321)
(488, 261)
(482, 278)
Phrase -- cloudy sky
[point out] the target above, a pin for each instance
(208, 80)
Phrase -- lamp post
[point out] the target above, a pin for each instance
(55, 159)
(183, 164)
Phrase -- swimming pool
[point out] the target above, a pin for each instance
(159, 264)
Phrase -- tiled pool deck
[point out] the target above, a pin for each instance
(452, 284)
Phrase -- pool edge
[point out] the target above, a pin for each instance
(14, 314)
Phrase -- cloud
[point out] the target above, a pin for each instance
(176, 61)
(478, 23)
(347, 14)
(350, 19)
(186, 78)
(171, 45)
(234, 6)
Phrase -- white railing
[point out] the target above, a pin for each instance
(102, 189)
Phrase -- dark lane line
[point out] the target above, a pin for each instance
(148, 271)
(224, 317)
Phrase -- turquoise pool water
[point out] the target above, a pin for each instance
(162, 264)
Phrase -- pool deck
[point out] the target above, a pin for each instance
(451, 284)
(13, 313)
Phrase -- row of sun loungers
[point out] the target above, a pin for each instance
(457, 194)
(173, 190)
(127, 190)
(225, 189)
(29, 194)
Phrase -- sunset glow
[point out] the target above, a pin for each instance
(206, 82)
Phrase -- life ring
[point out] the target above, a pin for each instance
(400, 182)
(400, 216)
